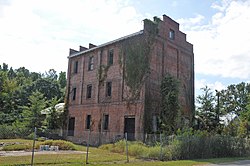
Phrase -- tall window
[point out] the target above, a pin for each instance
(91, 63)
(88, 122)
(75, 66)
(110, 57)
(89, 91)
(105, 122)
(74, 94)
(109, 89)
(171, 34)
(71, 126)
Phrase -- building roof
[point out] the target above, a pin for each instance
(105, 44)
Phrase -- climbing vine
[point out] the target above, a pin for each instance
(135, 59)
(170, 104)
(102, 73)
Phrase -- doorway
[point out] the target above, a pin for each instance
(129, 128)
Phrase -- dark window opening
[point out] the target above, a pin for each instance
(76, 67)
(71, 126)
(91, 63)
(171, 34)
(74, 94)
(89, 91)
(110, 57)
(106, 122)
(109, 89)
(88, 122)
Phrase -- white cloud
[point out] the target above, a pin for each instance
(38, 34)
(213, 86)
(221, 47)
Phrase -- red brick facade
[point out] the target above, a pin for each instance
(102, 105)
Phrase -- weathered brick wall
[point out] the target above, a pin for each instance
(174, 56)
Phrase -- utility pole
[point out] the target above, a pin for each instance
(218, 107)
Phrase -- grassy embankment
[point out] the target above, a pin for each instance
(97, 156)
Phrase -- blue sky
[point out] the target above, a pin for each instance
(37, 34)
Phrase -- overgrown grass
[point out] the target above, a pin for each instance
(185, 147)
(104, 156)
(22, 144)
(17, 147)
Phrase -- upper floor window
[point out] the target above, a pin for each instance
(109, 89)
(76, 67)
(74, 94)
(89, 91)
(110, 57)
(88, 122)
(171, 34)
(91, 63)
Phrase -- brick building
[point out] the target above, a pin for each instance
(97, 92)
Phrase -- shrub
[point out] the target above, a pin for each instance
(186, 145)
(154, 152)
(119, 147)
(137, 149)
(17, 147)
(63, 145)
(6, 132)
(106, 147)
(11, 131)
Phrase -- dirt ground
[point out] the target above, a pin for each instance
(25, 153)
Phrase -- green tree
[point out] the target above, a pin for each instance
(32, 116)
(54, 116)
(235, 98)
(8, 99)
(48, 87)
(170, 104)
(206, 110)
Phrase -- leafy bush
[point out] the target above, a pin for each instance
(17, 147)
(187, 144)
(63, 145)
(119, 147)
(8, 132)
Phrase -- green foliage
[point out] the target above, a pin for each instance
(136, 55)
(17, 147)
(102, 73)
(170, 104)
(206, 110)
(135, 59)
(229, 102)
(13, 131)
(16, 90)
(54, 118)
(63, 145)
(235, 98)
(187, 144)
(6, 132)
(32, 114)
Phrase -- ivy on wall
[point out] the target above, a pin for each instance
(135, 59)
(170, 112)
(102, 73)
